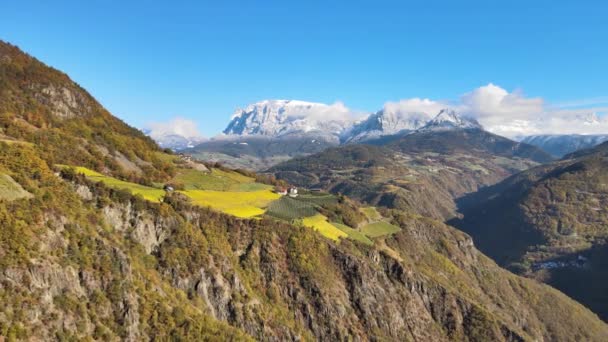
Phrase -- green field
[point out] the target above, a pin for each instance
(217, 180)
(149, 193)
(371, 213)
(167, 158)
(378, 229)
(320, 224)
(318, 199)
(11, 190)
(288, 208)
(237, 203)
(353, 233)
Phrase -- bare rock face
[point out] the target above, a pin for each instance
(143, 228)
(64, 102)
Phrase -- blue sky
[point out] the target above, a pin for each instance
(202, 59)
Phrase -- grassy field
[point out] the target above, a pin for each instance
(318, 199)
(11, 190)
(217, 180)
(149, 193)
(353, 233)
(237, 203)
(320, 224)
(168, 158)
(371, 213)
(378, 229)
(288, 208)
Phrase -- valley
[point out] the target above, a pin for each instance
(423, 172)
(547, 222)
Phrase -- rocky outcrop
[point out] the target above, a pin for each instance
(64, 103)
(148, 230)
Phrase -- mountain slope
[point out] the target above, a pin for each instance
(274, 118)
(259, 152)
(385, 122)
(268, 132)
(469, 140)
(550, 223)
(422, 171)
(560, 145)
(43, 106)
(82, 260)
(447, 119)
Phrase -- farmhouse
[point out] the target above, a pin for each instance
(280, 190)
(293, 192)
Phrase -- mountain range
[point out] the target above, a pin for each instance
(559, 145)
(268, 132)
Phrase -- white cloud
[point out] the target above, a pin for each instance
(514, 114)
(492, 101)
(333, 112)
(415, 105)
(178, 126)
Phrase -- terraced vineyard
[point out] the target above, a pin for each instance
(288, 208)
(217, 180)
(241, 196)
(318, 199)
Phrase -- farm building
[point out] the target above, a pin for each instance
(280, 190)
(293, 192)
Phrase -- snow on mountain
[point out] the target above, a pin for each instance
(562, 144)
(387, 121)
(285, 118)
(174, 141)
(275, 118)
(448, 119)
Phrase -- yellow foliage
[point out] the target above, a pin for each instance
(149, 193)
(237, 203)
(320, 224)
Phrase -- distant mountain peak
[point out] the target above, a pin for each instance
(273, 118)
(448, 119)
(174, 141)
(386, 122)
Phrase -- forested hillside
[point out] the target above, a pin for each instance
(550, 223)
(421, 172)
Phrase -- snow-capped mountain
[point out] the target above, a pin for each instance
(386, 122)
(448, 119)
(283, 118)
(276, 118)
(174, 141)
(562, 144)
